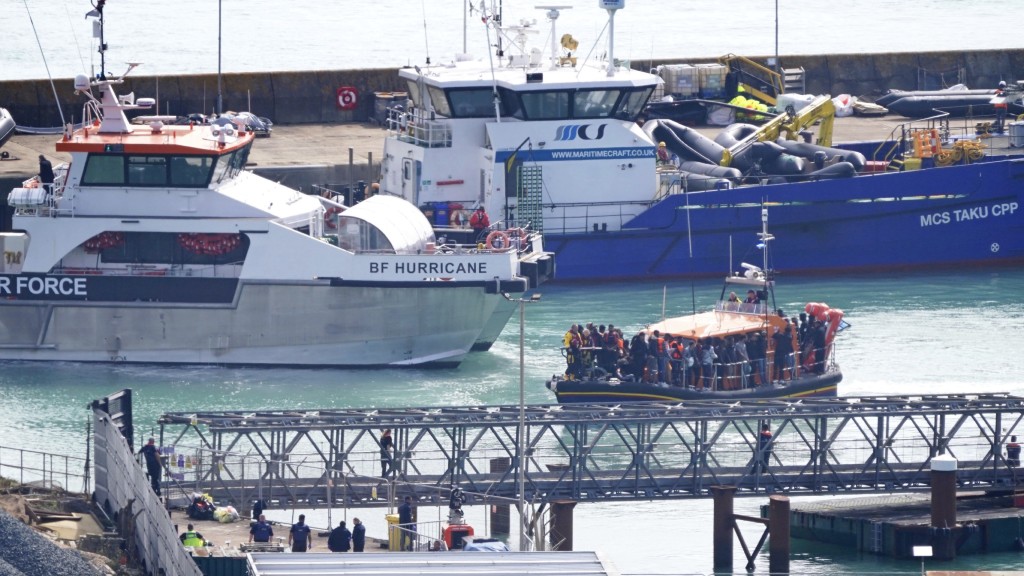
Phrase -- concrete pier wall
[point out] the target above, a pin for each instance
(311, 96)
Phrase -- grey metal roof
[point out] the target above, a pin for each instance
(426, 563)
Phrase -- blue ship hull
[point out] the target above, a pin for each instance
(951, 216)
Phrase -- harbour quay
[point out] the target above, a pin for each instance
(894, 524)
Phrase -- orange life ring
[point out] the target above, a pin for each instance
(517, 233)
(329, 217)
(459, 218)
(497, 240)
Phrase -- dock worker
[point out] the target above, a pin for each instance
(664, 157)
(358, 535)
(192, 538)
(405, 522)
(261, 531)
(153, 464)
(1013, 453)
(299, 537)
(479, 221)
(340, 538)
(999, 103)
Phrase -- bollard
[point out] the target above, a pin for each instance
(501, 516)
(722, 527)
(561, 525)
(943, 479)
(778, 530)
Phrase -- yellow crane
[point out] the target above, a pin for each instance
(790, 123)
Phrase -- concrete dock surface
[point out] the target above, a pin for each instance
(328, 144)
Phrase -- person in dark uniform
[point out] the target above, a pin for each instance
(153, 464)
(405, 522)
(358, 535)
(299, 536)
(387, 447)
(764, 448)
(261, 531)
(45, 170)
(1000, 106)
(1013, 453)
(339, 539)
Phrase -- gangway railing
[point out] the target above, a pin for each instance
(598, 452)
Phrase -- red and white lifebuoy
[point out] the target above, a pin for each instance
(497, 240)
(459, 219)
(518, 235)
(348, 98)
(329, 220)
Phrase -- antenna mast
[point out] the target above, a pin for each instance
(553, 14)
(97, 32)
(611, 6)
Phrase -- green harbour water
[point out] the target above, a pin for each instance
(941, 332)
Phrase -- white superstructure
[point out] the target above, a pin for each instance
(536, 138)
(155, 245)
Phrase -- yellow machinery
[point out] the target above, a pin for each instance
(747, 70)
(791, 124)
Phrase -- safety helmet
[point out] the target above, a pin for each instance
(660, 144)
(1002, 84)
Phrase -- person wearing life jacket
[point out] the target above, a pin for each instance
(1013, 453)
(572, 342)
(676, 361)
(1000, 106)
(192, 538)
(479, 221)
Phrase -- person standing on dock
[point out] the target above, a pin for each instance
(299, 538)
(405, 523)
(261, 531)
(153, 464)
(387, 447)
(1013, 453)
(358, 535)
(339, 539)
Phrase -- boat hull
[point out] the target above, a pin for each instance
(603, 391)
(6, 126)
(957, 215)
(307, 324)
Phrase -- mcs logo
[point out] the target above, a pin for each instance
(573, 131)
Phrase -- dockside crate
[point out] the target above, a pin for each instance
(680, 79)
(712, 80)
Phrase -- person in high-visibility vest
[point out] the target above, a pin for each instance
(192, 538)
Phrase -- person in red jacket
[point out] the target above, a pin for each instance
(479, 221)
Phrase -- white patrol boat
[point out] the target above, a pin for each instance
(155, 245)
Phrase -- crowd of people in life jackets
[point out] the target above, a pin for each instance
(732, 362)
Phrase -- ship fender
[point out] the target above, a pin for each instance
(730, 136)
(956, 105)
(710, 170)
(806, 150)
(785, 164)
(894, 95)
(837, 170)
(685, 142)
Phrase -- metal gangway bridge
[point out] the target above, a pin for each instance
(634, 451)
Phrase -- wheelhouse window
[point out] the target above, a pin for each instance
(545, 105)
(103, 170)
(147, 170)
(439, 101)
(633, 103)
(230, 164)
(595, 103)
(472, 103)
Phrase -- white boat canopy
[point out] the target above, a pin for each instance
(384, 223)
